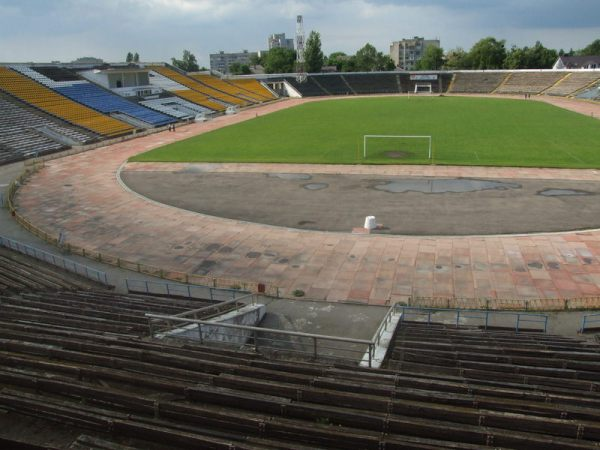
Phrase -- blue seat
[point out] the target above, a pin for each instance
(101, 100)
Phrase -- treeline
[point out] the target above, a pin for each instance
(488, 53)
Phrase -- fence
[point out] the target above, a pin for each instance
(56, 260)
(503, 304)
(501, 318)
(273, 342)
(587, 320)
(183, 290)
(181, 277)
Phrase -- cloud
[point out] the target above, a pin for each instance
(43, 30)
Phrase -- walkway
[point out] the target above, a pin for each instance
(81, 196)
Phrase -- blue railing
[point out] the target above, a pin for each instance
(56, 260)
(183, 290)
(518, 318)
(588, 320)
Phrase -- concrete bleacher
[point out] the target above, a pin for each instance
(176, 107)
(573, 82)
(21, 273)
(307, 88)
(334, 84)
(477, 82)
(39, 96)
(376, 83)
(84, 358)
(529, 82)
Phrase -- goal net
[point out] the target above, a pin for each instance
(386, 146)
(423, 87)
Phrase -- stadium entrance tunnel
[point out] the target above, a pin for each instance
(403, 205)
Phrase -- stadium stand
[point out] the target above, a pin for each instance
(333, 84)
(41, 97)
(573, 82)
(380, 83)
(308, 88)
(176, 107)
(226, 87)
(24, 132)
(476, 82)
(591, 93)
(200, 99)
(21, 273)
(254, 88)
(528, 82)
(104, 101)
(56, 73)
(444, 387)
(199, 87)
(94, 96)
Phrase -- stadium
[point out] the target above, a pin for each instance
(406, 259)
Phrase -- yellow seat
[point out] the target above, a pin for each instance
(43, 98)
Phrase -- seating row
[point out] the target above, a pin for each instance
(39, 96)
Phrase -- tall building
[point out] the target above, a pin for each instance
(407, 52)
(222, 61)
(280, 41)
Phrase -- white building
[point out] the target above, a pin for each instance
(280, 41)
(577, 62)
(407, 52)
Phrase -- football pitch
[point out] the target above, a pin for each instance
(464, 131)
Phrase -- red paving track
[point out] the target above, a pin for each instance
(81, 196)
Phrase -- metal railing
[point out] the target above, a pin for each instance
(587, 320)
(183, 290)
(518, 318)
(270, 341)
(56, 260)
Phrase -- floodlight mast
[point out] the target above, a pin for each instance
(300, 72)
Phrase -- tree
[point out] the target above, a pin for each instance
(136, 57)
(188, 63)
(591, 50)
(366, 58)
(432, 59)
(312, 53)
(129, 57)
(384, 62)
(280, 60)
(237, 68)
(457, 59)
(488, 53)
(256, 60)
(536, 57)
(336, 59)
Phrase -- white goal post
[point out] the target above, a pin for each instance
(366, 137)
(423, 87)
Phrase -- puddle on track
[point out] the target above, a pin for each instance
(315, 186)
(290, 176)
(442, 186)
(562, 192)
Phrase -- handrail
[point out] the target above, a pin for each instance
(216, 306)
(181, 289)
(484, 315)
(56, 260)
(585, 320)
(252, 330)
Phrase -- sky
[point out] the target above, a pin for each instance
(63, 30)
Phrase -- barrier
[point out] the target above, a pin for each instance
(274, 342)
(56, 260)
(484, 315)
(184, 290)
(590, 319)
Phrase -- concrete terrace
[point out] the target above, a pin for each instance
(81, 196)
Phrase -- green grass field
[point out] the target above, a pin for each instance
(465, 131)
